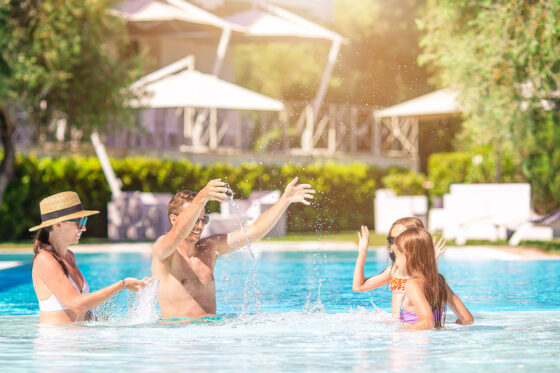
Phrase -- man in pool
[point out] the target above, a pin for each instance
(184, 263)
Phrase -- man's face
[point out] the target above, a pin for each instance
(194, 236)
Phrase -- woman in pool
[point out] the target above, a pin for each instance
(426, 291)
(61, 289)
(391, 274)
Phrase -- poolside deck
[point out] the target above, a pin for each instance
(453, 253)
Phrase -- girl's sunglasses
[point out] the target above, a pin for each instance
(391, 241)
(81, 222)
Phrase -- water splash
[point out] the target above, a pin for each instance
(315, 305)
(129, 308)
(144, 307)
(251, 294)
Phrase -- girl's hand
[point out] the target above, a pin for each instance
(134, 284)
(363, 242)
(439, 246)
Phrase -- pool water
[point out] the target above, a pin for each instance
(308, 319)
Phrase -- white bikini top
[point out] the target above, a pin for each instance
(52, 304)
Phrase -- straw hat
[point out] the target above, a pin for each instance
(60, 207)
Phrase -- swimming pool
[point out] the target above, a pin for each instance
(516, 305)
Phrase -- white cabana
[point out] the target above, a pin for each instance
(180, 85)
(155, 16)
(442, 103)
(396, 127)
(270, 22)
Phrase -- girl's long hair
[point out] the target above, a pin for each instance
(42, 243)
(418, 248)
(406, 223)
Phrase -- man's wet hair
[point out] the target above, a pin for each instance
(176, 204)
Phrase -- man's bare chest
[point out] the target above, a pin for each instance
(191, 270)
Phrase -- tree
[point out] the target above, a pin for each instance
(504, 58)
(62, 59)
(378, 67)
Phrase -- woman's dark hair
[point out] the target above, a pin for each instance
(42, 243)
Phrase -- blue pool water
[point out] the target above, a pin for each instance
(309, 320)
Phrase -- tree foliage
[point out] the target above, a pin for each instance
(378, 66)
(504, 58)
(63, 59)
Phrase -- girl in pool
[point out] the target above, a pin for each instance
(391, 274)
(426, 291)
(61, 289)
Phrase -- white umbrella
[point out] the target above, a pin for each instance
(439, 103)
(269, 22)
(163, 16)
(176, 86)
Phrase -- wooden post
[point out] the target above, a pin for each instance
(377, 136)
(307, 135)
(353, 129)
(213, 139)
(188, 113)
(332, 129)
(283, 118)
(239, 135)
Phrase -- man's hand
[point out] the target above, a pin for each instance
(215, 190)
(439, 246)
(363, 242)
(298, 193)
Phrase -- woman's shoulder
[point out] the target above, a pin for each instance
(44, 258)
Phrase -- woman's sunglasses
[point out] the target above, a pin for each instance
(81, 222)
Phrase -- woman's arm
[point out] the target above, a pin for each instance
(415, 293)
(359, 283)
(464, 317)
(52, 275)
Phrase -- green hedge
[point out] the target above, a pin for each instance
(344, 201)
(469, 167)
(405, 183)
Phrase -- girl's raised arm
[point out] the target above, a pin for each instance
(359, 283)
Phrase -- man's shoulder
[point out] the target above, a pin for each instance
(156, 247)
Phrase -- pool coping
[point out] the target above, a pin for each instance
(498, 252)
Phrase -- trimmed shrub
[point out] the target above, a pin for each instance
(406, 183)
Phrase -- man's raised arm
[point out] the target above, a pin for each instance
(294, 193)
(184, 223)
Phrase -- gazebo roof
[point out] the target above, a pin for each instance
(268, 22)
(179, 85)
(442, 103)
(152, 16)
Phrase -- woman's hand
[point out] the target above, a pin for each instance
(439, 246)
(134, 284)
(363, 242)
